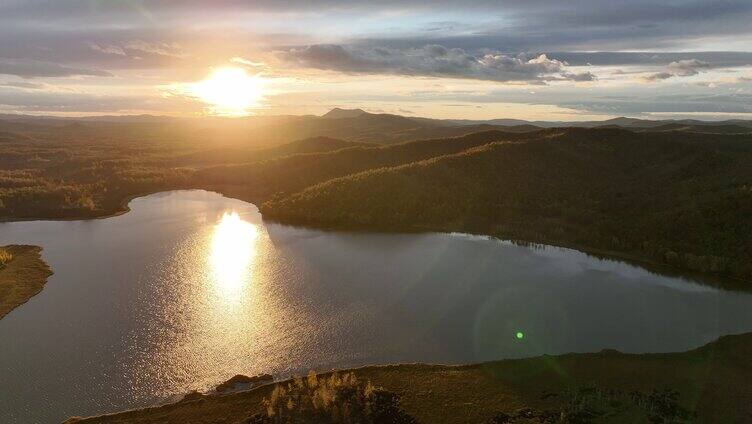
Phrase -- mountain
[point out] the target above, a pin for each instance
(338, 113)
(704, 128)
(620, 122)
(354, 125)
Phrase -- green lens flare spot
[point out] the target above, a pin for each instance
(520, 335)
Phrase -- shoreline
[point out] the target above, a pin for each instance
(22, 278)
(722, 281)
(436, 393)
(715, 280)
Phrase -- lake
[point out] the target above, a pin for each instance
(190, 288)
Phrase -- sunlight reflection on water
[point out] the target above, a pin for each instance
(233, 250)
(191, 288)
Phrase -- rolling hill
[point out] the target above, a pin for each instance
(600, 189)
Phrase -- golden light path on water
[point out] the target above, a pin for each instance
(228, 293)
(191, 288)
(220, 317)
(233, 250)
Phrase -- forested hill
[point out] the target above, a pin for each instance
(678, 199)
(279, 176)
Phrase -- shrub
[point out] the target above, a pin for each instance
(333, 399)
(5, 257)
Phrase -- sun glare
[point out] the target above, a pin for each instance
(230, 92)
(233, 248)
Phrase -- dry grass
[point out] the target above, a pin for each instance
(5, 257)
(334, 398)
(714, 382)
(22, 277)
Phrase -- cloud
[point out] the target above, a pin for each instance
(432, 61)
(139, 47)
(247, 62)
(581, 76)
(681, 103)
(160, 49)
(108, 49)
(507, 25)
(26, 68)
(22, 84)
(77, 102)
(659, 76)
(688, 67)
(679, 68)
(715, 59)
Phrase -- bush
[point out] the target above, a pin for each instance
(332, 399)
(5, 257)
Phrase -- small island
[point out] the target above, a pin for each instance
(23, 274)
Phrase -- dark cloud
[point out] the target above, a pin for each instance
(430, 60)
(716, 59)
(688, 67)
(659, 76)
(581, 76)
(505, 25)
(680, 68)
(32, 68)
(496, 40)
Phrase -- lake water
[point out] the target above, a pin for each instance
(190, 288)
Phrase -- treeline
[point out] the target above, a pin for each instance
(681, 199)
(73, 174)
(289, 174)
(677, 199)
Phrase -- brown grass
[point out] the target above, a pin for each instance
(714, 381)
(5, 257)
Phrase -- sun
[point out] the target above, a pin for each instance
(230, 91)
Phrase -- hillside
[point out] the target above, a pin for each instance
(257, 181)
(632, 193)
(711, 384)
(239, 155)
(606, 190)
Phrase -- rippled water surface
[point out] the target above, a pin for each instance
(190, 288)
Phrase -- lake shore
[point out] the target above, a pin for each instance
(712, 383)
(22, 278)
(241, 193)
(726, 282)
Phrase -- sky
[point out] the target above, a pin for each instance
(524, 59)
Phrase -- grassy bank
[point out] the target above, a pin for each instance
(23, 274)
(711, 384)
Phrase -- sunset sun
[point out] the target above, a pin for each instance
(229, 91)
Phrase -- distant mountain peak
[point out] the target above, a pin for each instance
(338, 113)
